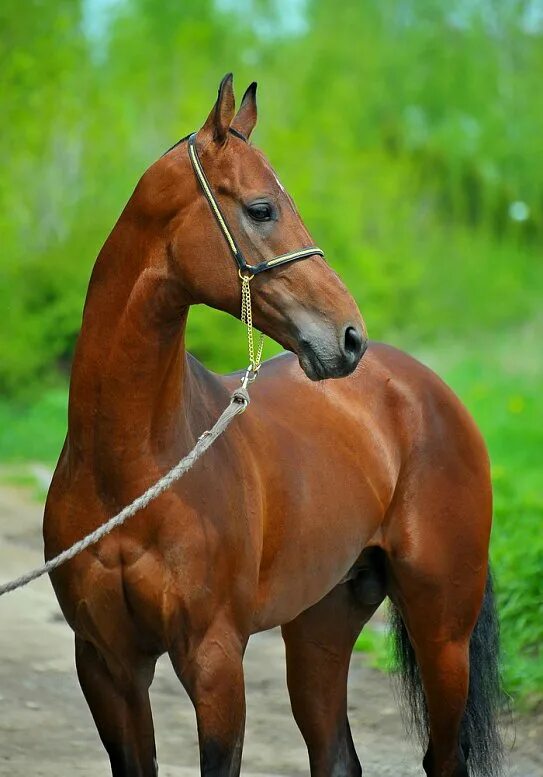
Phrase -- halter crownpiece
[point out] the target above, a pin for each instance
(246, 271)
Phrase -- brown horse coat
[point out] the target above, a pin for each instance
(318, 502)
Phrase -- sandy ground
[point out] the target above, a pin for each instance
(46, 729)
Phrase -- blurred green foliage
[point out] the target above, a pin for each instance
(410, 137)
(406, 133)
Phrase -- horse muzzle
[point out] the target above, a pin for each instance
(323, 352)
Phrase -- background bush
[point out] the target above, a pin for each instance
(408, 134)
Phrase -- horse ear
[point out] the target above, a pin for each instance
(222, 113)
(245, 118)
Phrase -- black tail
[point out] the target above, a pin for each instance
(480, 734)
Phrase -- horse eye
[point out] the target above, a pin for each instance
(260, 211)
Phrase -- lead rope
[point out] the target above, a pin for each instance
(238, 403)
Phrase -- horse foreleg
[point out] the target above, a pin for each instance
(212, 673)
(119, 704)
(319, 644)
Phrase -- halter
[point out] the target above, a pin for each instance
(246, 271)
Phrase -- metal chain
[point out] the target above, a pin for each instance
(247, 318)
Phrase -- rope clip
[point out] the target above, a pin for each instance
(251, 374)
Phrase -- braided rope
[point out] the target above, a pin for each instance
(238, 402)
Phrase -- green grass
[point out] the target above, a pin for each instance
(374, 643)
(33, 430)
(22, 476)
(499, 377)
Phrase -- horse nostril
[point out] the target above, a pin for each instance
(355, 345)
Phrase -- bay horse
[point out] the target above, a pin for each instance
(319, 502)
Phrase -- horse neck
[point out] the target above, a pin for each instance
(130, 376)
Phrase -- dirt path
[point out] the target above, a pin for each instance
(46, 729)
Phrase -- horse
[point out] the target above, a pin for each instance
(322, 500)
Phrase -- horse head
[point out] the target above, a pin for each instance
(301, 304)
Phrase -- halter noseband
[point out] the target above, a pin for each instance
(243, 265)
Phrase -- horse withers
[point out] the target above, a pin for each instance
(319, 502)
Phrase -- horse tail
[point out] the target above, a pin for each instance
(480, 733)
